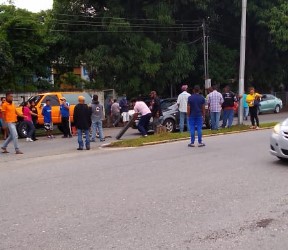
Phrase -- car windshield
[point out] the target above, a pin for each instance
(165, 104)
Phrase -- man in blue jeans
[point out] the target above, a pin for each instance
(215, 101)
(196, 114)
(228, 107)
(82, 121)
(10, 117)
(182, 105)
(97, 116)
(141, 108)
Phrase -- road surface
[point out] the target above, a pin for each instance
(229, 195)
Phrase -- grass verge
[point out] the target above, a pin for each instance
(169, 137)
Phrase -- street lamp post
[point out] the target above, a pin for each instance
(242, 60)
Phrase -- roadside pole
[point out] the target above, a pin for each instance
(207, 79)
(242, 60)
(204, 47)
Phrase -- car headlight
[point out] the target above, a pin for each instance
(276, 129)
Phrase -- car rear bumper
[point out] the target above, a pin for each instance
(279, 145)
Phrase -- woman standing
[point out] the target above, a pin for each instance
(27, 113)
(34, 119)
(253, 100)
(3, 124)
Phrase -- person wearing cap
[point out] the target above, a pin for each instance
(82, 121)
(182, 106)
(48, 123)
(65, 118)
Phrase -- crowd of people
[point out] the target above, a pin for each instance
(89, 117)
(217, 103)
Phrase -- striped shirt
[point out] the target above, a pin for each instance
(215, 100)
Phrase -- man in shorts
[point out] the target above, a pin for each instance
(48, 124)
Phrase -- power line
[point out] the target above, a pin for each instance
(122, 18)
(109, 31)
(100, 23)
(187, 43)
(130, 26)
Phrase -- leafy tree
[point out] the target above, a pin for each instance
(25, 49)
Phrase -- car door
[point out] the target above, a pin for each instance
(271, 103)
(264, 103)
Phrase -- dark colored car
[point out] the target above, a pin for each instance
(171, 116)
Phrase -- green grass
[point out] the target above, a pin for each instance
(168, 137)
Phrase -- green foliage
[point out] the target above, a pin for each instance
(138, 45)
(277, 22)
(23, 48)
(222, 63)
(72, 81)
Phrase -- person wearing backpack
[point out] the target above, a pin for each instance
(97, 116)
(228, 107)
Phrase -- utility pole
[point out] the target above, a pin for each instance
(204, 46)
(242, 59)
(206, 57)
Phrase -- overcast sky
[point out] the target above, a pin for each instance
(32, 5)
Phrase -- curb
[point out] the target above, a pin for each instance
(107, 145)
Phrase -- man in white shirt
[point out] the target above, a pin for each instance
(182, 105)
(141, 108)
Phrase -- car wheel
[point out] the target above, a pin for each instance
(22, 129)
(277, 109)
(170, 125)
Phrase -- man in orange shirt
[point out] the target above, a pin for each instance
(10, 117)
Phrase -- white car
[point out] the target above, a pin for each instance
(279, 141)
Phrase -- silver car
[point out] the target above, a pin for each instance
(279, 141)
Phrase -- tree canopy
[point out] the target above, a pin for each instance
(135, 46)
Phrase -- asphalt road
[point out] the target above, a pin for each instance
(229, 195)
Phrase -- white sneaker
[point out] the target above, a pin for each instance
(28, 139)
